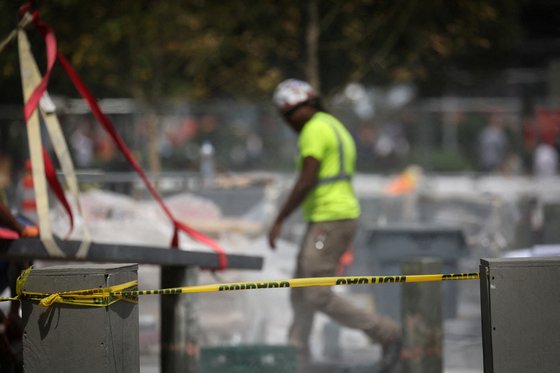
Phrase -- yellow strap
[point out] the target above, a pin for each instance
(29, 82)
(61, 149)
(63, 155)
(23, 23)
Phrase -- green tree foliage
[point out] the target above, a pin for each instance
(209, 48)
(409, 40)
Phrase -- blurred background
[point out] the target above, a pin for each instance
(454, 106)
(414, 82)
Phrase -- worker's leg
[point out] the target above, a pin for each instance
(303, 314)
(378, 328)
(300, 330)
(325, 244)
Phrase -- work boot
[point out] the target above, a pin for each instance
(391, 356)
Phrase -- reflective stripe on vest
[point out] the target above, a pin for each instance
(342, 174)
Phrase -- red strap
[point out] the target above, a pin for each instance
(57, 189)
(106, 123)
(222, 258)
(50, 42)
(25, 7)
(33, 102)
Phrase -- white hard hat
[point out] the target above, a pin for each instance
(291, 93)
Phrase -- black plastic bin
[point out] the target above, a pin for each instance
(381, 250)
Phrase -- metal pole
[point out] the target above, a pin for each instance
(421, 311)
(179, 325)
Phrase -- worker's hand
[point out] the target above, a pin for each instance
(29, 231)
(273, 234)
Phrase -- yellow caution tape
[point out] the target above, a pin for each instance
(98, 297)
(101, 297)
(22, 279)
(304, 282)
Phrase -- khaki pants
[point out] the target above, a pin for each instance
(321, 249)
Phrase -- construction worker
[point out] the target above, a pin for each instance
(326, 163)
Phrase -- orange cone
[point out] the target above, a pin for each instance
(28, 206)
(404, 183)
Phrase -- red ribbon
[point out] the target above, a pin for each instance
(33, 101)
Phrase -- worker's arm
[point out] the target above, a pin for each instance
(306, 181)
(11, 222)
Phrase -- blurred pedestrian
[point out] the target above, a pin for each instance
(326, 163)
(492, 145)
(545, 160)
(82, 147)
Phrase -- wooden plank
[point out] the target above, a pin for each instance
(32, 248)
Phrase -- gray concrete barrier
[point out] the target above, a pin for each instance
(520, 306)
(70, 338)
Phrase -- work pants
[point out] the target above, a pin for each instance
(322, 246)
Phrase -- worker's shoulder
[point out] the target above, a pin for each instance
(316, 131)
(321, 122)
(326, 118)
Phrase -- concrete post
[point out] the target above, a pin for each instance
(67, 338)
(551, 220)
(520, 304)
(422, 319)
(179, 325)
